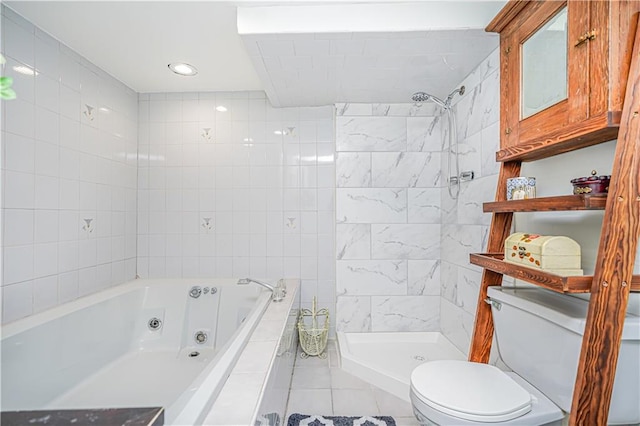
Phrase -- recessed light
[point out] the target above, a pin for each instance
(23, 69)
(278, 132)
(183, 69)
(221, 108)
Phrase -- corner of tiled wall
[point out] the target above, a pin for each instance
(69, 174)
(464, 225)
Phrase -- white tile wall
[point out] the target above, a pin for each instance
(405, 313)
(372, 277)
(371, 133)
(388, 217)
(371, 205)
(406, 241)
(246, 192)
(464, 226)
(61, 166)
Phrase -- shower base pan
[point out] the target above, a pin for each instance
(386, 359)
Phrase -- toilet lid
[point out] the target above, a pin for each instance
(471, 391)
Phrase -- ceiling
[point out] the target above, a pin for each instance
(355, 67)
(300, 53)
(134, 41)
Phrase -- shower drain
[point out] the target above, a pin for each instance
(419, 358)
(194, 354)
(154, 324)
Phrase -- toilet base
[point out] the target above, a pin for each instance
(543, 411)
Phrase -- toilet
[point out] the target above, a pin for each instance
(538, 334)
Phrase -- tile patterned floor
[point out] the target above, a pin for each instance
(320, 386)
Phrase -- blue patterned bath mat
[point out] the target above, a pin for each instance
(307, 420)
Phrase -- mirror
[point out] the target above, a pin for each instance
(544, 66)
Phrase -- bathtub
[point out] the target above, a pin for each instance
(142, 343)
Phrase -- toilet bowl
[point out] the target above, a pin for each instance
(539, 337)
(452, 392)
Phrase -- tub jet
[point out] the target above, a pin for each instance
(154, 324)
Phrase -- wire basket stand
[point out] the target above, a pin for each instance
(313, 338)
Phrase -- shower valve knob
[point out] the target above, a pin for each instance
(467, 176)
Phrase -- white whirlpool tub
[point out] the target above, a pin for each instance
(146, 343)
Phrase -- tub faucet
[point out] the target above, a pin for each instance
(278, 292)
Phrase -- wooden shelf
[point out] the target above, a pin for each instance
(574, 284)
(568, 138)
(561, 203)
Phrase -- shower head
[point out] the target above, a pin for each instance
(420, 97)
(425, 97)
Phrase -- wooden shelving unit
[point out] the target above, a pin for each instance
(547, 204)
(573, 284)
(609, 95)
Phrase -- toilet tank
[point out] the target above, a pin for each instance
(539, 335)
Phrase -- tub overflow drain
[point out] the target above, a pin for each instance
(419, 358)
(194, 354)
(201, 337)
(154, 324)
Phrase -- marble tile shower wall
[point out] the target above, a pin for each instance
(69, 145)
(230, 187)
(388, 170)
(464, 226)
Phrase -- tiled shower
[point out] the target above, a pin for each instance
(402, 242)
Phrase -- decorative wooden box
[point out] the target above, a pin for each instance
(556, 254)
(593, 184)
